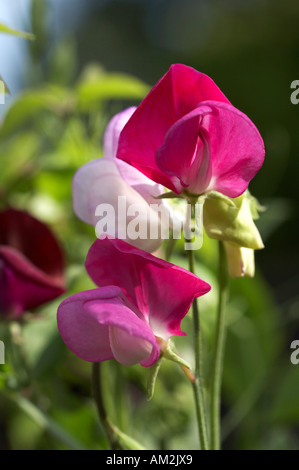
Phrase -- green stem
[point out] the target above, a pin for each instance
(99, 399)
(217, 367)
(118, 440)
(197, 384)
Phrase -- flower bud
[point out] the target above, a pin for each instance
(232, 223)
(240, 260)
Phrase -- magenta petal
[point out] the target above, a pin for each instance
(131, 338)
(98, 325)
(236, 146)
(222, 150)
(185, 153)
(178, 92)
(160, 290)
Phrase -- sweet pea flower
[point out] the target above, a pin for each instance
(31, 264)
(187, 136)
(137, 307)
(108, 183)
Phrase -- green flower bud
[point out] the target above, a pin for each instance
(233, 222)
(240, 260)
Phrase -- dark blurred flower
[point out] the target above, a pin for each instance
(31, 264)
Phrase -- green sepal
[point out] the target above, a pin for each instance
(170, 354)
(153, 374)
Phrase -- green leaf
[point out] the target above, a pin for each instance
(50, 98)
(7, 30)
(99, 86)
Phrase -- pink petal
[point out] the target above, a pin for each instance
(99, 182)
(134, 178)
(113, 130)
(237, 149)
(179, 91)
(185, 153)
(160, 290)
(100, 324)
(90, 188)
(222, 150)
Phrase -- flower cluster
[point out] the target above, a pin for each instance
(187, 137)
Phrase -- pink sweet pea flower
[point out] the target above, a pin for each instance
(186, 135)
(31, 264)
(138, 306)
(107, 180)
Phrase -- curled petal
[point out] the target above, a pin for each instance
(160, 290)
(100, 324)
(185, 154)
(214, 147)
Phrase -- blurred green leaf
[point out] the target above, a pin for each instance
(285, 407)
(15, 32)
(51, 98)
(97, 86)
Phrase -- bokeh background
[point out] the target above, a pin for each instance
(90, 59)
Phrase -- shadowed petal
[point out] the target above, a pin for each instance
(31, 264)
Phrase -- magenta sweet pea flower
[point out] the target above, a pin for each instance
(31, 264)
(138, 306)
(186, 135)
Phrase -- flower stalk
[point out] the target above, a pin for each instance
(99, 400)
(197, 384)
(215, 415)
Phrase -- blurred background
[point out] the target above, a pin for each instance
(88, 61)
